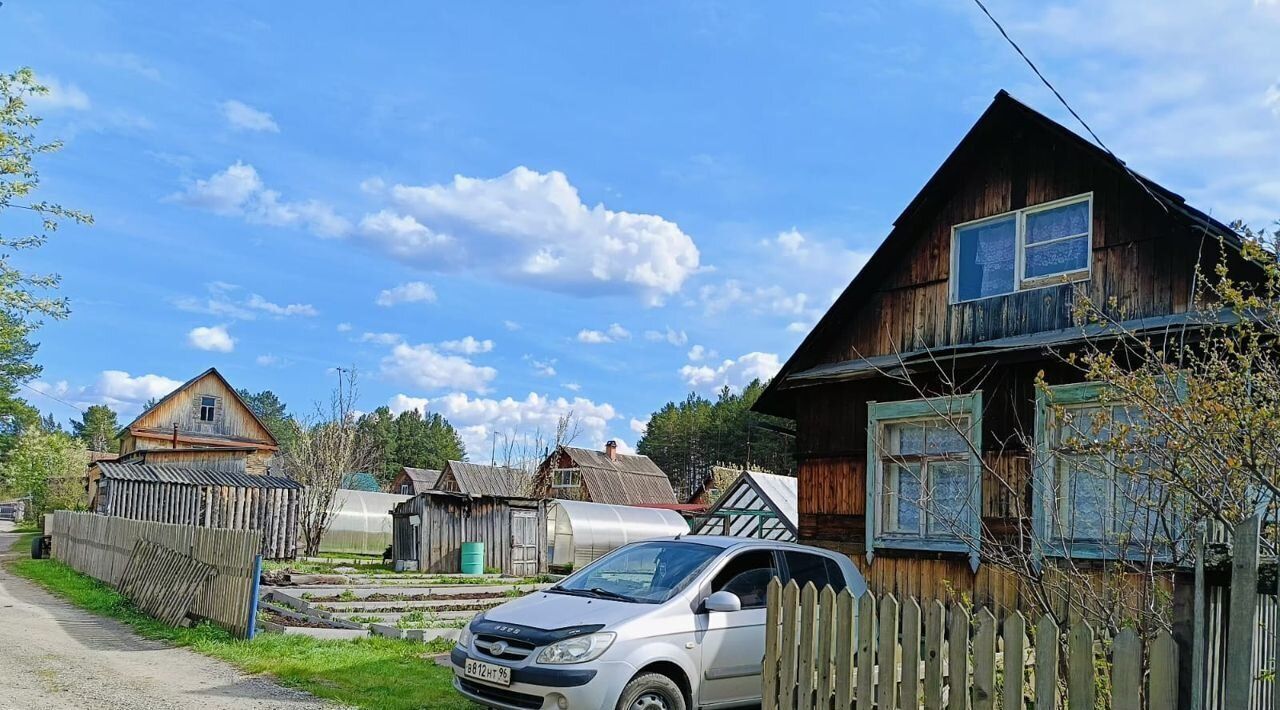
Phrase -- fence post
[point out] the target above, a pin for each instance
(984, 662)
(1126, 671)
(866, 649)
(773, 605)
(844, 649)
(935, 619)
(253, 599)
(826, 636)
(1081, 691)
(1015, 640)
(958, 659)
(1046, 664)
(910, 693)
(787, 676)
(1238, 678)
(806, 640)
(1163, 694)
(887, 654)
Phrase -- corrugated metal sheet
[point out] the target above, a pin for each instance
(629, 480)
(480, 480)
(160, 473)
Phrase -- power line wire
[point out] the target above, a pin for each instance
(56, 399)
(1062, 99)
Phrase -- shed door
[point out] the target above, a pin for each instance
(524, 543)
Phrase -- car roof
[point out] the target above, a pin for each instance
(729, 541)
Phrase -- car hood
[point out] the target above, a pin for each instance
(546, 610)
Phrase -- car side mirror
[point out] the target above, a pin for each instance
(723, 601)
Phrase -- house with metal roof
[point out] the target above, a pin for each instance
(756, 504)
(412, 481)
(571, 473)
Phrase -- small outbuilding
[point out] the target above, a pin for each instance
(478, 479)
(412, 481)
(429, 529)
(209, 498)
(760, 505)
(578, 532)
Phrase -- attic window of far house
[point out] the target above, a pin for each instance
(566, 478)
(208, 405)
(1037, 246)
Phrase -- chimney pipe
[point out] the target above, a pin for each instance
(611, 449)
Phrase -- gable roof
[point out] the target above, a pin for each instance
(481, 480)
(211, 371)
(424, 479)
(629, 480)
(755, 490)
(1003, 108)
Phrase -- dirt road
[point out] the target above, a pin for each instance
(53, 655)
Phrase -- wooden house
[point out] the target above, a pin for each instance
(607, 476)
(979, 277)
(480, 480)
(412, 481)
(428, 531)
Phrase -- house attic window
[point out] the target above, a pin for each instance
(1029, 248)
(208, 405)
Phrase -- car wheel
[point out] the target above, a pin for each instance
(651, 691)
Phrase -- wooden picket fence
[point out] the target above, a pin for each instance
(101, 546)
(825, 650)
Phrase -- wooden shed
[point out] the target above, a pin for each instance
(207, 498)
(428, 531)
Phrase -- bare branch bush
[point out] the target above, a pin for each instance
(326, 447)
(526, 451)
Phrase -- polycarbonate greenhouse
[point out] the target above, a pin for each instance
(362, 524)
(579, 532)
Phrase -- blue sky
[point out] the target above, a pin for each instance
(504, 213)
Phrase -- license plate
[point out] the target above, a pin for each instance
(487, 672)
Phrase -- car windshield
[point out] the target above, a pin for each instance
(646, 572)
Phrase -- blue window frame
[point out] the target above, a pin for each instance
(924, 473)
(1090, 499)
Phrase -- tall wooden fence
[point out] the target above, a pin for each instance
(101, 545)
(825, 650)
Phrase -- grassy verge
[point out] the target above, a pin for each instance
(366, 673)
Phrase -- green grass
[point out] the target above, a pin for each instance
(366, 673)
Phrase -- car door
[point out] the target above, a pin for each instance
(733, 642)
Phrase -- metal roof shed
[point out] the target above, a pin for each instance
(578, 532)
(760, 505)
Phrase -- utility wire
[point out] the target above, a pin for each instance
(56, 399)
(1061, 99)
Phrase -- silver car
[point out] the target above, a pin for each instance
(661, 624)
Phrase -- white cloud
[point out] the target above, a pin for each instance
(775, 300)
(129, 62)
(799, 327)
(791, 242)
(698, 353)
(59, 95)
(244, 117)
(734, 374)
(640, 426)
(213, 338)
(293, 309)
(238, 191)
(221, 301)
(478, 417)
(467, 346)
(572, 386)
(613, 334)
(343, 327)
(426, 367)
(548, 236)
(542, 368)
(412, 292)
(381, 338)
(117, 389)
(511, 325)
(267, 360)
(675, 337)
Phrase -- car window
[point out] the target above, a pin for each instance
(747, 576)
(804, 567)
(650, 572)
(835, 575)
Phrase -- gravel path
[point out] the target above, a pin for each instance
(52, 655)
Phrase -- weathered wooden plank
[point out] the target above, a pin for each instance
(865, 694)
(1046, 664)
(887, 653)
(958, 659)
(787, 676)
(909, 694)
(772, 626)
(1015, 635)
(984, 661)
(826, 641)
(1081, 689)
(1126, 671)
(806, 639)
(935, 620)
(844, 665)
(1163, 693)
(1240, 671)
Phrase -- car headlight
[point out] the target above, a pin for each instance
(578, 649)
(464, 636)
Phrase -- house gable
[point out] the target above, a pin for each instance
(1145, 244)
(227, 419)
